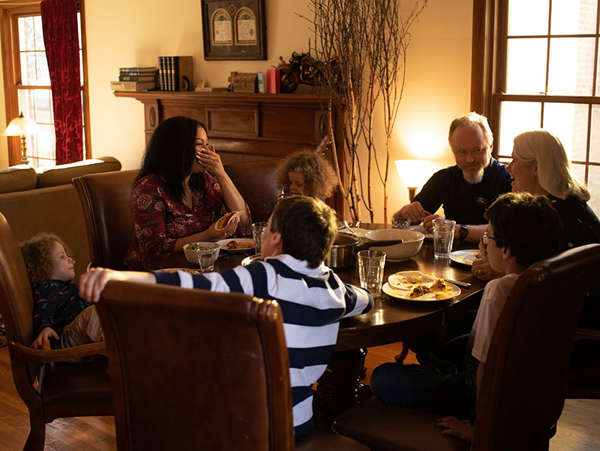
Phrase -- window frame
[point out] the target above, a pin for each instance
(488, 72)
(12, 71)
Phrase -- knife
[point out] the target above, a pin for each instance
(459, 283)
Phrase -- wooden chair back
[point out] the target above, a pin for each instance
(192, 369)
(525, 379)
(105, 201)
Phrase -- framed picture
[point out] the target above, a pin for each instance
(234, 29)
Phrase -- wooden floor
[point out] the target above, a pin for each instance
(578, 428)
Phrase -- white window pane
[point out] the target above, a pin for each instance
(594, 188)
(595, 136)
(569, 122)
(574, 16)
(28, 69)
(526, 66)
(516, 118)
(26, 33)
(26, 102)
(43, 75)
(526, 17)
(39, 33)
(597, 93)
(43, 106)
(44, 142)
(571, 66)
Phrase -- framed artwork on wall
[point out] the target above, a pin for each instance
(234, 29)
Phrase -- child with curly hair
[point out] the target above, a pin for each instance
(61, 318)
(306, 173)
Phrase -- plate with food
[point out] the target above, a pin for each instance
(465, 257)
(236, 245)
(418, 286)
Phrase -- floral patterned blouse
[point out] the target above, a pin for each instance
(159, 218)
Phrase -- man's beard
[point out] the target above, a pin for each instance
(474, 177)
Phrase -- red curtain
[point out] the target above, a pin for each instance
(61, 39)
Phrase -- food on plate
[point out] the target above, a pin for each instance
(439, 285)
(197, 247)
(223, 221)
(414, 284)
(235, 244)
(419, 290)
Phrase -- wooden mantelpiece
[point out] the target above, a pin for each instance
(247, 126)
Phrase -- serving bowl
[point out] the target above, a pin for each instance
(191, 250)
(410, 246)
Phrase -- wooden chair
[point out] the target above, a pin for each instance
(105, 201)
(49, 391)
(195, 370)
(525, 380)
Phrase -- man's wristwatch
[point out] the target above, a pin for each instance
(463, 232)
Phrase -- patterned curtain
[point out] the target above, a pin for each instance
(61, 39)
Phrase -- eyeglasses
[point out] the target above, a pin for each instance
(485, 238)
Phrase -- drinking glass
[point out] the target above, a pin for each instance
(257, 230)
(370, 270)
(443, 236)
(207, 258)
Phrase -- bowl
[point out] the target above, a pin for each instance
(343, 251)
(191, 250)
(409, 248)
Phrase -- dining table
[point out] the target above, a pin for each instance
(390, 320)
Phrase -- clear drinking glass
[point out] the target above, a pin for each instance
(443, 236)
(207, 258)
(370, 270)
(257, 230)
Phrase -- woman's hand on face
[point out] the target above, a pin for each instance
(211, 161)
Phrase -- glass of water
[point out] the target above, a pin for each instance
(443, 236)
(370, 270)
(207, 256)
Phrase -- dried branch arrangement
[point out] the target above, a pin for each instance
(363, 47)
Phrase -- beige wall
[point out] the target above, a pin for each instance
(135, 32)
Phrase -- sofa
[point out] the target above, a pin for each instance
(44, 200)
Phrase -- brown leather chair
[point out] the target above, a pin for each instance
(525, 380)
(49, 391)
(195, 370)
(105, 201)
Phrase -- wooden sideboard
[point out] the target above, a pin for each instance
(248, 126)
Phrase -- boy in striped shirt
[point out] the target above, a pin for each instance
(313, 299)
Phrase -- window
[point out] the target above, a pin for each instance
(543, 70)
(27, 84)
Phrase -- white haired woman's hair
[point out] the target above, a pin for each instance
(553, 168)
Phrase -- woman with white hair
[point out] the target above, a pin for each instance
(540, 166)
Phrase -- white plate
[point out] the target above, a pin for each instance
(421, 229)
(247, 242)
(360, 233)
(465, 257)
(435, 296)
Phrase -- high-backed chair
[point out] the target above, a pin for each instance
(49, 391)
(105, 201)
(525, 379)
(195, 370)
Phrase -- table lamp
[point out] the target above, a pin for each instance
(413, 173)
(21, 126)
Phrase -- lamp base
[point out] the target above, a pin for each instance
(412, 192)
(24, 159)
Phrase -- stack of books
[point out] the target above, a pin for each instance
(135, 79)
(176, 73)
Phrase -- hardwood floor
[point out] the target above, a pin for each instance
(578, 428)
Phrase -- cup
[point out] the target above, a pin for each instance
(370, 270)
(257, 230)
(207, 258)
(443, 236)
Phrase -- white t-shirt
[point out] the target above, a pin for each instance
(492, 302)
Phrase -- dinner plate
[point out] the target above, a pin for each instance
(247, 243)
(427, 297)
(421, 229)
(465, 257)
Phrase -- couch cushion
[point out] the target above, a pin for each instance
(17, 178)
(63, 174)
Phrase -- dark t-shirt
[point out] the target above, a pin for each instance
(581, 225)
(464, 202)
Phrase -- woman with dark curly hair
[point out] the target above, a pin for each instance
(61, 318)
(179, 194)
(306, 173)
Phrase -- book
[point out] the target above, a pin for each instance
(260, 82)
(185, 73)
(137, 69)
(151, 77)
(176, 73)
(132, 85)
(162, 73)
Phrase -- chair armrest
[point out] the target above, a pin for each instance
(59, 355)
(587, 334)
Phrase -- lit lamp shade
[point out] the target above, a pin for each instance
(20, 126)
(414, 173)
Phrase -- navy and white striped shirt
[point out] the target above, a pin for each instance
(312, 300)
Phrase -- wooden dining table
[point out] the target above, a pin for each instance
(389, 321)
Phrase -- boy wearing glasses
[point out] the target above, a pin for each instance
(510, 251)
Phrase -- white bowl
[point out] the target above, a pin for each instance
(191, 250)
(409, 248)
